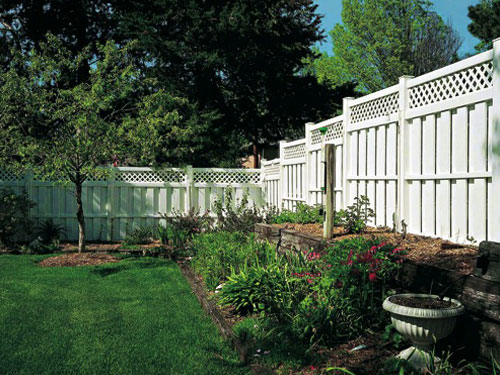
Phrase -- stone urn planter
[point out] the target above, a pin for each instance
(423, 319)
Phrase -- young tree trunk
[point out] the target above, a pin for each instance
(80, 217)
(255, 156)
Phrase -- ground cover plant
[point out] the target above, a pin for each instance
(305, 299)
(303, 214)
(134, 316)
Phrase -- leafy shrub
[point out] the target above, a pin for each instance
(217, 255)
(48, 231)
(269, 288)
(14, 211)
(355, 218)
(236, 216)
(38, 247)
(303, 214)
(143, 234)
(174, 237)
(190, 222)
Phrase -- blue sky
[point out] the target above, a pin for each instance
(453, 10)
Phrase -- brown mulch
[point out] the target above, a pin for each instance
(433, 251)
(83, 259)
(103, 247)
(367, 360)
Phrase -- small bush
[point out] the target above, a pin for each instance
(48, 232)
(14, 215)
(191, 222)
(303, 214)
(236, 216)
(355, 218)
(141, 235)
(174, 237)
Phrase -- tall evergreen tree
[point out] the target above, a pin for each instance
(485, 24)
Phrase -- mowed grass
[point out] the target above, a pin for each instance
(134, 317)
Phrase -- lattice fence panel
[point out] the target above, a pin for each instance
(7, 176)
(226, 177)
(376, 108)
(296, 151)
(335, 131)
(272, 170)
(165, 176)
(470, 80)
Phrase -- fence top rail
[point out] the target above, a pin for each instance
(143, 169)
(328, 122)
(266, 163)
(376, 95)
(456, 67)
(294, 143)
(230, 170)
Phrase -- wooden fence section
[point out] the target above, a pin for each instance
(426, 152)
(134, 196)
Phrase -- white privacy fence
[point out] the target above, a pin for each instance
(425, 151)
(134, 196)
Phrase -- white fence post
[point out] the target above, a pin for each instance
(307, 166)
(283, 182)
(494, 198)
(189, 190)
(346, 150)
(402, 204)
(110, 205)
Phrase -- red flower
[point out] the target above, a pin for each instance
(372, 277)
(310, 281)
(396, 250)
(373, 249)
(339, 284)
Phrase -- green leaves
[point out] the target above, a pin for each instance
(381, 40)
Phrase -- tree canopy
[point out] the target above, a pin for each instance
(485, 24)
(381, 40)
(239, 64)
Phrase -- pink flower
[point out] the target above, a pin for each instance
(372, 277)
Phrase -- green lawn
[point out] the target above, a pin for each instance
(134, 317)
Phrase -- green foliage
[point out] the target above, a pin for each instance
(190, 222)
(14, 219)
(66, 132)
(485, 22)
(48, 231)
(140, 235)
(264, 285)
(355, 217)
(312, 297)
(236, 215)
(217, 255)
(303, 214)
(392, 336)
(379, 41)
(396, 366)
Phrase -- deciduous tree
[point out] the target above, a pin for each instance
(381, 40)
(69, 133)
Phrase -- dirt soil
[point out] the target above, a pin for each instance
(432, 251)
(83, 259)
(422, 303)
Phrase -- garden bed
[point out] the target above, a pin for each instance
(78, 259)
(421, 249)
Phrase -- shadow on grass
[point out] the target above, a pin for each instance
(129, 263)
